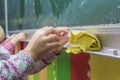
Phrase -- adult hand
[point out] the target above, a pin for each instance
(42, 41)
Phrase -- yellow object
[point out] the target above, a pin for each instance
(104, 68)
(1, 34)
(85, 40)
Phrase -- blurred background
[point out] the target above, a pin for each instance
(33, 14)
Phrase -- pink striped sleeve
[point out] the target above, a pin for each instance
(9, 46)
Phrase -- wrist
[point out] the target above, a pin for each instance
(48, 58)
(56, 54)
(31, 54)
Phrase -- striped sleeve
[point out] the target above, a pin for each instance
(9, 46)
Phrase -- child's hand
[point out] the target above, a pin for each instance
(63, 38)
(43, 41)
(15, 38)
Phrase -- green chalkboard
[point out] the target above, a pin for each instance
(2, 14)
(32, 14)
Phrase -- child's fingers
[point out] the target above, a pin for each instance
(11, 37)
(57, 50)
(51, 38)
(63, 41)
(49, 30)
(61, 31)
(21, 36)
(52, 45)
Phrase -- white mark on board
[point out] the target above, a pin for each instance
(118, 7)
(88, 74)
(82, 2)
(89, 62)
(55, 78)
(56, 5)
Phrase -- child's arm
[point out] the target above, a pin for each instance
(16, 67)
(4, 53)
(9, 46)
(6, 49)
(39, 65)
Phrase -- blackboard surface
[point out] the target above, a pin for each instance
(32, 14)
(2, 15)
